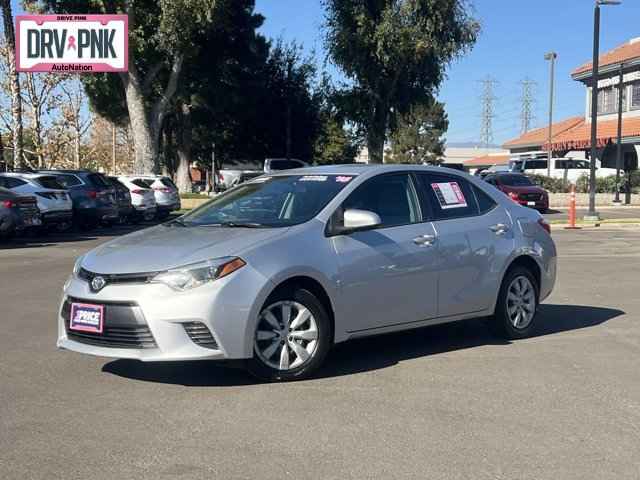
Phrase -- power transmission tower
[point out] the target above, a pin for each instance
(487, 110)
(527, 103)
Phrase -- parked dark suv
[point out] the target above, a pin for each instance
(93, 196)
(17, 212)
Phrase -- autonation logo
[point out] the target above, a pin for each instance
(72, 43)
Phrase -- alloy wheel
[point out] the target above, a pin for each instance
(521, 302)
(287, 335)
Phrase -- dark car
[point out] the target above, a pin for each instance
(17, 212)
(93, 196)
(123, 199)
(521, 190)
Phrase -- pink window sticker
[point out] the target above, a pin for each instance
(449, 195)
(343, 179)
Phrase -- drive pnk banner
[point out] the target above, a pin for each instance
(72, 43)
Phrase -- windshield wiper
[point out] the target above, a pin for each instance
(235, 225)
(177, 221)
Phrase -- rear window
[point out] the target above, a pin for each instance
(68, 180)
(284, 164)
(515, 181)
(142, 183)
(50, 182)
(98, 180)
(168, 183)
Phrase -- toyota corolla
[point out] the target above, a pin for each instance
(278, 270)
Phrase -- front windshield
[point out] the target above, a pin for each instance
(277, 201)
(515, 181)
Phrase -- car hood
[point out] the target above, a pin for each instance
(165, 247)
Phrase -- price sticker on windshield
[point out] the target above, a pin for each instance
(449, 195)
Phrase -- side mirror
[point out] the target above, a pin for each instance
(360, 220)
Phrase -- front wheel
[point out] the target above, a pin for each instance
(292, 337)
(517, 305)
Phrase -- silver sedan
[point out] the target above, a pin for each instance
(278, 270)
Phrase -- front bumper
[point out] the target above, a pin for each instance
(226, 307)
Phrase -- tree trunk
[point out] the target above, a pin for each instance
(183, 175)
(376, 133)
(145, 151)
(16, 100)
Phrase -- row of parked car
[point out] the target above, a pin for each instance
(63, 199)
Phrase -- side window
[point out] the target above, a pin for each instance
(392, 197)
(9, 182)
(448, 196)
(485, 202)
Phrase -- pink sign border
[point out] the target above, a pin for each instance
(98, 67)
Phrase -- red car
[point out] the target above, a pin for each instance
(521, 190)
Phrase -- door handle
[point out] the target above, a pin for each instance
(425, 240)
(499, 228)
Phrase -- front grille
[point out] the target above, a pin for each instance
(87, 276)
(200, 335)
(531, 197)
(124, 326)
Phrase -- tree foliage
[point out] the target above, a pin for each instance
(418, 137)
(394, 53)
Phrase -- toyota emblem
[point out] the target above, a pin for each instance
(98, 283)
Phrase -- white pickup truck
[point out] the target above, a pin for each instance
(230, 177)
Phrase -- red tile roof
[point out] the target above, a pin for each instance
(487, 160)
(540, 135)
(579, 137)
(623, 53)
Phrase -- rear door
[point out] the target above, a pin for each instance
(387, 274)
(474, 240)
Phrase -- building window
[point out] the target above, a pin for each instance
(608, 100)
(635, 96)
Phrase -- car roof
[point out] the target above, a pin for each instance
(361, 168)
(26, 175)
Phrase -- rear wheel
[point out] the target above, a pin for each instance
(292, 337)
(517, 304)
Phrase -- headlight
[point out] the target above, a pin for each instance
(78, 265)
(196, 274)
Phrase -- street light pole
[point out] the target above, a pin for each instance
(592, 214)
(550, 56)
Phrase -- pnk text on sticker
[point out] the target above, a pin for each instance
(72, 43)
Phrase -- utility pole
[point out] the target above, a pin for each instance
(487, 110)
(527, 101)
(592, 215)
(552, 57)
(619, 144)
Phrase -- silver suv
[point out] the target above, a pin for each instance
(279, 269)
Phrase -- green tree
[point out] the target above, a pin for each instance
(394, 53)
(418, 137)
(161, 41)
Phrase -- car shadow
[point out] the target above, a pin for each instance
(367, 354)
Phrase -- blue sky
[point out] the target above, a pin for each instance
(515, 36)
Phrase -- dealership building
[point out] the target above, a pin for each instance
(572, 136)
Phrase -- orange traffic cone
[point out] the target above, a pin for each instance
(572, 210)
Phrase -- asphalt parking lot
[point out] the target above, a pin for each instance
(443, 402)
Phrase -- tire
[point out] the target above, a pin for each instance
(267, 368)
(505, 322)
